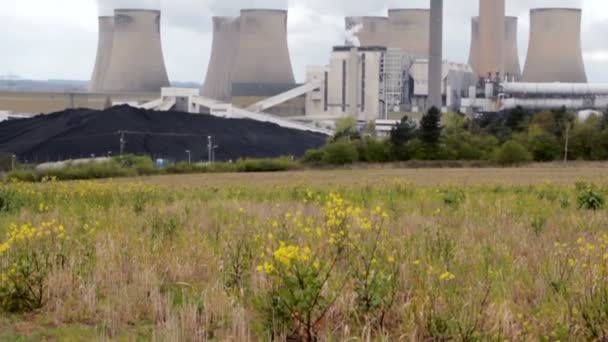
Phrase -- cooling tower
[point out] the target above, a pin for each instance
(410, 30)
(218, 83)
(136, 64)
(263, 53)
(512, 67)
(554, 51)
(104, 51)
(491, 37)
(474, 50)
(436, 55)
(373, 31)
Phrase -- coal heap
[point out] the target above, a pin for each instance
(80, 133)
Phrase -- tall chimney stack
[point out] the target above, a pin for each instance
(436, 55)
(491, 55)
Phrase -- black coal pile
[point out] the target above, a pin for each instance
(82, 133)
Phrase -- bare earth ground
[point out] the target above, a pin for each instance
(557, 173)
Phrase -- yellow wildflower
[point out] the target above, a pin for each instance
(447, 276)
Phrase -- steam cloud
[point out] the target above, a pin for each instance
(350, 36)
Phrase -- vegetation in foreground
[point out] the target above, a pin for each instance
(103, 260)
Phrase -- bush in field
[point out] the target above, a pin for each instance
(265, 165)
(511, 153)
(27, 257)
(340, 153)
(590, 198)
(313, 157)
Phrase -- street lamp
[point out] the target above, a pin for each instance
(13, 162)
(189, 157)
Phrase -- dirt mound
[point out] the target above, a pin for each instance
(80, 133)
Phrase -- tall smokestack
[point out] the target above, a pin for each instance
(512, 67)
(410, 30)
(474, 50)
(137, 63)
(554, 51)
(104, 52)
(373, 31)
(491, 37)
(436, 54)
(218, 83)
(263, 52)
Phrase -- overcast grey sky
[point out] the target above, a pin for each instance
(57, 39)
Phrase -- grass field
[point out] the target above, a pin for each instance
(369, 254)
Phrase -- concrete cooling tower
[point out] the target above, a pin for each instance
(512, 67)
(474, 50)
(263, 53)
(554, 51)
(410, 30)
(136, 64)
(491, 38)
(218, 83)
(373, 31)
(104, 51)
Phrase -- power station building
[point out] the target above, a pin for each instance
(554, 51)
(218, 82)
(104, 52)
(410, 30)
(511, 66)
(136, 63)
(375, 83)
(491, 53)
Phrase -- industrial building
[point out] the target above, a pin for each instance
(376, 83)
(554, 52)
(137, 63)
(104, 52)
(491, 55)
(410, 30)
(512, 68)
(218, 82)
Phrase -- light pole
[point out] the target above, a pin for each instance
(13, 162)
(189, 157)
(209, 149)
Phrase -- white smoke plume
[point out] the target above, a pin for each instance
(350, 36)
(107, 7)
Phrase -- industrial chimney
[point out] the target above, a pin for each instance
(373, 31)
(104, 51)
(512, 67)
(263, 52)
(491, 38)
(410, 30)
(555, 51)
(474, 49)
(136, 64)
(436, 55)
(218, 83)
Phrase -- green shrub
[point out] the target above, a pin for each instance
(511, 153)
(590, 198)
(340, 153)
(313, 157)
(265, 165)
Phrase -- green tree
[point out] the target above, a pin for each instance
(545, 147)
(404, 132)
(430, 126)
(517, 119)
(346, 128)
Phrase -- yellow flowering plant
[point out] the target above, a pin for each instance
(27, 256)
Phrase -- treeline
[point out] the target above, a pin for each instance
(512, 137)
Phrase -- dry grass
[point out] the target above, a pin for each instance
(479, 254)
(557, 173)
